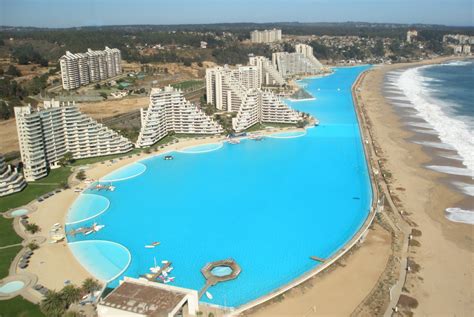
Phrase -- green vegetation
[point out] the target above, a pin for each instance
(13, 71)
(81, 175)
(6, 258)
(188, 84)
(56, 179)
(19, 307)
(8, 236)
(26, 54)
(98, 159)
(32, 228)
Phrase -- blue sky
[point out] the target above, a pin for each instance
(67, 13)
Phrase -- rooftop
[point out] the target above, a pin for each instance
(143, 298)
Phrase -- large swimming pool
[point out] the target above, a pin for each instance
(269, 205)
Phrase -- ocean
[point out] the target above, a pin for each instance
(439, 102)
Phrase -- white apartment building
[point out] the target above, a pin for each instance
(411, 35)
(265, 36)
(226, 87)
(268, 75)
(236, 90)
(170, 111)
(301, 62)
(83, 68)
(46, 134)
(10, 180)
(263, 106)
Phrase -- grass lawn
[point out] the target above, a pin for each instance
(97, 159)
(188, 84)
(8, 236)
(6, 257)
(36, 189)
(19, 307)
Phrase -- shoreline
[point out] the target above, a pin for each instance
(443, 278)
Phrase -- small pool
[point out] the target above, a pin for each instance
(126, 172)
(12, 287)
(202, 148)
(288, 135)
(221, 271)
(19, 212)
(87, 206)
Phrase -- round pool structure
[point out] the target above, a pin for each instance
(269, 205)
(19, 212)
(12, 287)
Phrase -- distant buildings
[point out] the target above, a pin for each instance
(265, 36)
(239, 90)
(10, 180)
(411, 35)
(458, 39)
(301, 62)
(46, 134)
(170, 111)
(203, 44)
(83, 68)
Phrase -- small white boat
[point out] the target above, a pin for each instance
(164, 261)
(234, 141)
(154, 269)
(209, 295)
(98, 227)
(169, 269)
(88, 232)
(148, 246)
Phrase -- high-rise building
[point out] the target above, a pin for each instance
(263, 106)
(170, 111)
(268, 75)
(10, 180)
(301, 62)
(46, 134)
(83, 68)
(230, 89)
(265, 36)
(411, 35)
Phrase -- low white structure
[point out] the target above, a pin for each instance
(10, 180)
(301, 62)
(170, 111)
(140, 297)
(46, 134)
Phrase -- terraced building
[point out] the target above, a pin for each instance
(10, 180)
(46, 134)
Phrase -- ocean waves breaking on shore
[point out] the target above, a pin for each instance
(443, 108)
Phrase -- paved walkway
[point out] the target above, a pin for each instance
(11, 246)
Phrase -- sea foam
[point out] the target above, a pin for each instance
(460, 215)
(451, 130)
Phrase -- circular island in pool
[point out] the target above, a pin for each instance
(269, 205)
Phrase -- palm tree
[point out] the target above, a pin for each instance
(71, 294)
(53, 304)
(90, 285)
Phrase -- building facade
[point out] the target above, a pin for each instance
(10, 180)
(83, 68)
(268, 75)
(238, 90)
(170, 111)
(47, 134)
(301, 62)
(263, 107)
(411, 35)
(265, 36)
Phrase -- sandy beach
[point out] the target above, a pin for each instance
(444, 283)
(444, 252)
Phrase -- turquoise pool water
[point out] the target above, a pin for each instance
(124, 173)
(19, 212)
(87, 206)
(269, 205)
(202, 148)
(288, 135)
(221, 271)
(11, 287)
